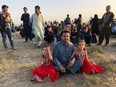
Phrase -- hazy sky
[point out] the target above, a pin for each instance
(57, 9)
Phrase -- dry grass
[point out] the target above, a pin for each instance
(7, 61)
(91, 80)
(110, 66)
(104, 61)
(12, 54)
(7, 64)
(114, 45)
(94, 49)
(102, 58)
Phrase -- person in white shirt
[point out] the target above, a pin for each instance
(37, 27)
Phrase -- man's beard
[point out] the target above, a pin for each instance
(66, 41)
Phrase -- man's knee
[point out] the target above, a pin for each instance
(79, 62)
(3, 39)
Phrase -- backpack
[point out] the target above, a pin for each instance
(2, 23)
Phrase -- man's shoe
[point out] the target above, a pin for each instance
(39, 43)
(25, 41)
(61, 74)
(38, 46)
(13, 49)
(106, 45)
(98, 44)
(6, 48)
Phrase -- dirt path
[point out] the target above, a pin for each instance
(16, 67)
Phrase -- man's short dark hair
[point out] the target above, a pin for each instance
(4, 6)
(64, 31)
(37, 6)
(25, 8)
(80, 15)
(67, 14)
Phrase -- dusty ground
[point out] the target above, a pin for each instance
(16, 67)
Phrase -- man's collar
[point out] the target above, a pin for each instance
(64, 43)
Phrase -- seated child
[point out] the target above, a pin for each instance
(46, 71)
(87, 67)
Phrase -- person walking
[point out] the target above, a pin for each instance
(6, 29)
(26, 24)
(37, 26)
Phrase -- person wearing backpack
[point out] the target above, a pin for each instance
(6, 27)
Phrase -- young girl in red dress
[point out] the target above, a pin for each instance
(81, 54)
(46, 71)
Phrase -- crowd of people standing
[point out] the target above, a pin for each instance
(35, 26)
(50, 31)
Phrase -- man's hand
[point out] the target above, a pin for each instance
(62, 69)
(71, 63)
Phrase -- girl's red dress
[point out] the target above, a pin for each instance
(89, 67)
(45, 72)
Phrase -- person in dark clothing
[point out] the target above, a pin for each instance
(55, 29)
(106, 26)
(21, 30)
(79, 22)
(26, 24)
(95, 24)
(74, 35)
(94, 38)
(86, 35)
(49, 35)
(67, 21)
(60, 28)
